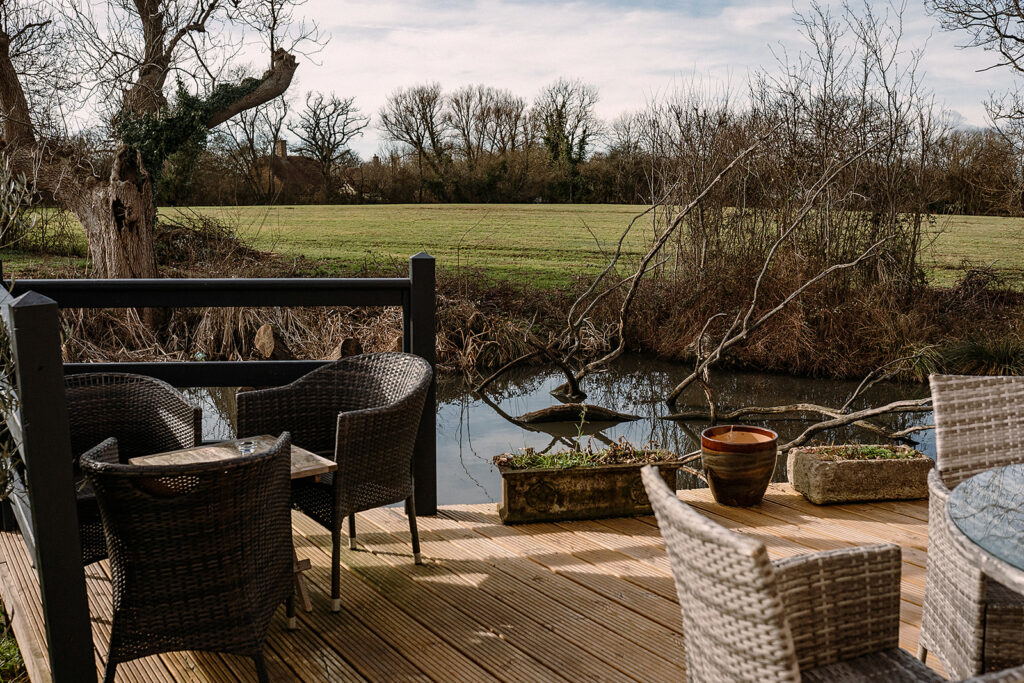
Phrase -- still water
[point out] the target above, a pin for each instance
(470, 432)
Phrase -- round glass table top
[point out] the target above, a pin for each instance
(989, 509)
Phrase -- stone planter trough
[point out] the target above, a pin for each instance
(553, 494)
(824, 477)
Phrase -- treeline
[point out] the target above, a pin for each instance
(483, 144)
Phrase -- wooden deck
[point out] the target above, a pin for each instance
(545, 602)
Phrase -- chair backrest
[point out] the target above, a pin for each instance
(979, 424)
(734, 624)
(309, 406)
(144, 414)
(200, 554)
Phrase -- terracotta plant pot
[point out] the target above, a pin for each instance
(738, 461)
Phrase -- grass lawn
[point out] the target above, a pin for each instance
(982, 241)
(543, 242)
(546, 243)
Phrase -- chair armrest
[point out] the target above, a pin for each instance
(841, 603)
(103, 453)
(374, 452)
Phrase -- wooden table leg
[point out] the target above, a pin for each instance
(300, 566)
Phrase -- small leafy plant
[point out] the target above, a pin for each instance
(867, 452)
(620, 453)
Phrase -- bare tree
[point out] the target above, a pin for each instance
(415, 117)
(569, 127)
(122, 59)
(994, 25)
(248, 141)
(324, 129)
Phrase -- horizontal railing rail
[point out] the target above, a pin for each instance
(220, 292)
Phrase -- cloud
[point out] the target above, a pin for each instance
(631, 49)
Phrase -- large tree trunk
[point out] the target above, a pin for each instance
(118, 213)
(119, 218)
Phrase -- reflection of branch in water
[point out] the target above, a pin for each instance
(992, 507)
(555, 440)
(494, 406)
(464, 420)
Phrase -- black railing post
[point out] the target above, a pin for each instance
(46, 447)
(421, 326)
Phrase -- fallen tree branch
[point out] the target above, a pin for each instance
(853, 417)
(748, 411)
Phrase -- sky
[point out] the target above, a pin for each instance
(632, 50)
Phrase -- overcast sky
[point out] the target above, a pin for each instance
(632, 50)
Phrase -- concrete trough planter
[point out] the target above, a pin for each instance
(824, 475)
(554, 494)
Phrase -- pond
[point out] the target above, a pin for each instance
(470, 432)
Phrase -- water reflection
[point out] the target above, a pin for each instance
(470, 432)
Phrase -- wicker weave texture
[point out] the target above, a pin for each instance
(734, 622)
(144, 414)
(365, 408)
(831, 616)
(979, 424)
(953, 618)
(200, 555)
(972, 624)
(888, 665)
(841, 604)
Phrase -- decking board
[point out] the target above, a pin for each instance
(537, 602)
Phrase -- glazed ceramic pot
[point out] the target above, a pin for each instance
(738, 461)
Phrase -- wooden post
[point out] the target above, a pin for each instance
(420, 328)
(46, 448)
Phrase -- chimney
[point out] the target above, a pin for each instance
(281, 148)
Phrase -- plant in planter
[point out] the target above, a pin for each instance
(851, 473)
(579, 483)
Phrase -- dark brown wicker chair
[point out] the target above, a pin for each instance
(200, 555)
(144, 414)
(366, 410)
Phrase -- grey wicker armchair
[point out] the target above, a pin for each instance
(364, 411)
(827, 616)
(144, 414)
(972, 624)
(200, 554)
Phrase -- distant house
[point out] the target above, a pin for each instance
(297, 178)
(292, 178)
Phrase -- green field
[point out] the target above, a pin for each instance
(544, 243)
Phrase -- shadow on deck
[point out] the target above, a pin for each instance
(541, 602)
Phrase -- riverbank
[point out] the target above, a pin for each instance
(838, 328)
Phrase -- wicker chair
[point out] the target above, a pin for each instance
(970, 623)
(144, 414)
(365, 411)
(828, 616)
(200, 554)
